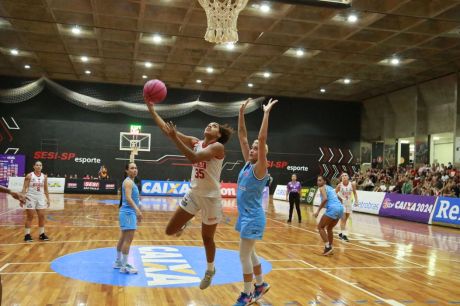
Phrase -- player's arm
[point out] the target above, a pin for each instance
(242, 132)
(260, 168)
(189, 141)
(213, 150)
(337, 190)
(322, 190)
(355, 193)
(18, 196)
(25, 186)
(47, 194)
(128, 193)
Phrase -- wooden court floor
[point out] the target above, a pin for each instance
(387, 262)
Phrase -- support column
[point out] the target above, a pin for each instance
(421, 138)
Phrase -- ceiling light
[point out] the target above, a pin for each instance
(264, 8)
(299, 52)
(346, 81)
(250, 85)
(209, 70)
(144, 76)
(230, 46)
(322, 90)
(84, 59)
(14, 51)
(87, 72)
(157, 39)
(76, 30)
(436, 138)
(198, 81)
(352, 18)
(395, 61)
(267, 75)
(148, 64)
(27, 66)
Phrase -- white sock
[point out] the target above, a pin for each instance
(118, 256)
(259, 280)
(41, 230)
(327, 245)
(210, 266)
(124, 259)
(27, 231)
(247, 287)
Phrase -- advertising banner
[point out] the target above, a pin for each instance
(447, 212)
(11, 166)
(369, 202)
(303, 194)
(280, 192)
(179, 189)
(55, 184)
(91, 186)
(407, 207)
(310, 197)
(164, 188)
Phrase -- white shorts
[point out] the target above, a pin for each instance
(35, 203)
(348, 207)
(211, 208)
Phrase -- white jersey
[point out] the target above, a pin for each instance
(205, 179)
(346, 192)
(36, 186)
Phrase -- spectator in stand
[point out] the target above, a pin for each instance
(448, 190)
(449, 166)
(75, 176)
(407, 186)
(103, 173)
(444, 176)
(87, 177)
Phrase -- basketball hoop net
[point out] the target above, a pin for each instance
(222, 18)
(134, 150)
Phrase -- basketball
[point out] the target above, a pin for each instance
(154, 91)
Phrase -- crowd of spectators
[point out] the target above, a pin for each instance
(434, 180)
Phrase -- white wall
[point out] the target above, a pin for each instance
(443, 152)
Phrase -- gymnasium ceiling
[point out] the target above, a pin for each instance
(117, 39)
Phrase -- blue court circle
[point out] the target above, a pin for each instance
(165, 266)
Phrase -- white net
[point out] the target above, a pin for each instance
(222, 17)
(215, 109)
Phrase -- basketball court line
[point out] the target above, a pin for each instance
(389, 302)
(8, 211)
(350, 243)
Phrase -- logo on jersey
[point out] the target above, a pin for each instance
(158, 266)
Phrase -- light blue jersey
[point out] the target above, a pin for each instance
(251, 216)
(334, 208)
(127, 215)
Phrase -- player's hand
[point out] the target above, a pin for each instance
(170, 129)
(21, 204)
(139, 215)
(268, 107)
(149, 105)
(48, 203)
(244, 105)
(316, 214)
(18, 196)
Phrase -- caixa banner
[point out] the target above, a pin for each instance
(407, 207)
(447, 212)
(179, 189)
